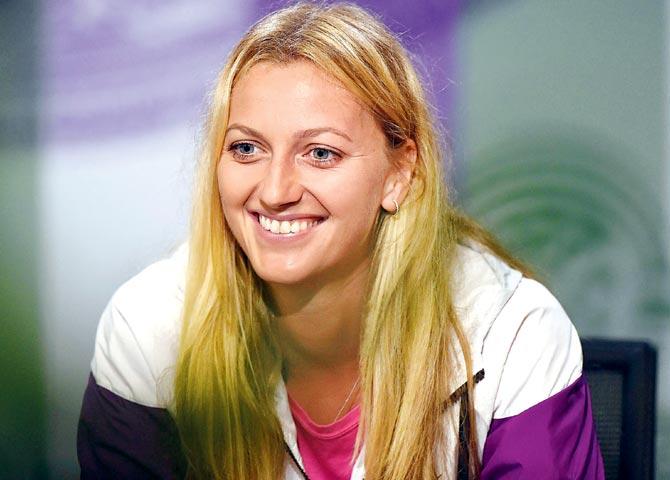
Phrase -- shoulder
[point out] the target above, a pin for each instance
(137, 336)
(518, 331)
(536, 396)
(541, 354)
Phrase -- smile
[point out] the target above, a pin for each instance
(286, 227)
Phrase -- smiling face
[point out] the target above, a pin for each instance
(303, 174)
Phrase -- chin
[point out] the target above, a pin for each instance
(281, 273)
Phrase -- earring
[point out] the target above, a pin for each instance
(397, 207)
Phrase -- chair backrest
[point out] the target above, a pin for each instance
(622, 380)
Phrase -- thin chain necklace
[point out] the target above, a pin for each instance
(290, 452)
(351, 392)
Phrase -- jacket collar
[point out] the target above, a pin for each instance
(481, 286)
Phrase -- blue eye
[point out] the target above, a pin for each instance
(244, 148)
(322, 155)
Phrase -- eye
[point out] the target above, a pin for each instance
(243, 151)
(323, 156)
(244, 148)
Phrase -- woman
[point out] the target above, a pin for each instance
(332, 315)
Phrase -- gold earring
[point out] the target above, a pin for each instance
(397, 207)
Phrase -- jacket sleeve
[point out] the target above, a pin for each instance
(542, 424)
(125, 429)
(118, 438)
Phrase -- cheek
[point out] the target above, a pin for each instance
(234, 186)
(354, 196)
(234, 190)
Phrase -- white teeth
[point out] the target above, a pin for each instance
(285, 227)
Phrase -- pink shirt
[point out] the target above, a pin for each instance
(326, 450)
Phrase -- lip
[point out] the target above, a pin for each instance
(288, 217)
(283, 238)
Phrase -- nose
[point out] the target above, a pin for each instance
(280, 186)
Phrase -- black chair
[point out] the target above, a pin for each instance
(622, 379)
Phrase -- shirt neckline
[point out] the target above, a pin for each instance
(338, 428)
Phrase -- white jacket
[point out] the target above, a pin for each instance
(518, 333)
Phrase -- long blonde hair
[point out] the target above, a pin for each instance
(229, 365)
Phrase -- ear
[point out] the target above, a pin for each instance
(399, 177)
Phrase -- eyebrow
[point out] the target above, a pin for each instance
(313, 132)
(309, 133)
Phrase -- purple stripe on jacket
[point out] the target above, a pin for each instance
(554, 439)
(117, 438)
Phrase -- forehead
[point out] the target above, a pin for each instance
(297, 94)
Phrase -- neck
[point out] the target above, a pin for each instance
(319, 326)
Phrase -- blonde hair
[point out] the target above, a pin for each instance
(229, 365)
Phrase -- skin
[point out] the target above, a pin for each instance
(299, 143)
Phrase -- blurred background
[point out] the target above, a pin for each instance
(557, 113)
